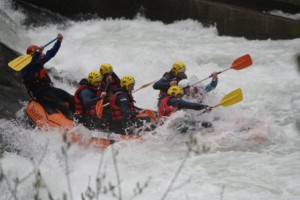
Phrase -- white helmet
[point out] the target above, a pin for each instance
(184, 83)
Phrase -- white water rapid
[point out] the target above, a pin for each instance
(252, 153)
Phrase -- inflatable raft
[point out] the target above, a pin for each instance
(45, 117)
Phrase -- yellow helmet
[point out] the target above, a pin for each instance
(175, 90)
(126, 81)
(178, 67)
(106, 68)
(94, 76)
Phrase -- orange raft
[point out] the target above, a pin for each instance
(45, 116)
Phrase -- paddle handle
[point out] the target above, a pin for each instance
(50, 42)
(106, 86)
(137, 90)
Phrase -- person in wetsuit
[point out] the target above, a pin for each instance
(38, 83)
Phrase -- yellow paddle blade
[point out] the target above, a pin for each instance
(19, 63)
(231, 98)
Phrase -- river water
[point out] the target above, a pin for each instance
(252, 152)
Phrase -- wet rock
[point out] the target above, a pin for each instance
(12, 91)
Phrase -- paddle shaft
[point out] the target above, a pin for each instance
(22, 61)
(238, 64)
(50, 42)
(230, 99)
(143, 86)
(210, 76)
(37, 51)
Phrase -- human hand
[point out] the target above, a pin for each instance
(208, 109)
(103, 94)
(173, 83)
(109, 79)
(40, 49)
(214, 75)
(60, 37)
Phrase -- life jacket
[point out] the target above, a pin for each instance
(164, 109)
(79, 107)
(116, 112)
(40, 79)
(163, 93)
(114, 84)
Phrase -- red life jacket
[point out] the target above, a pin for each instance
(116, 112)
(79, 107)
(164, 109)
(40, 79)
(114, 84)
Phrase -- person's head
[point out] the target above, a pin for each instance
(31, 48)
(178, 70)
(127, 83)
(95, 78)
(185, 85)
(106, 69)
(175, 91)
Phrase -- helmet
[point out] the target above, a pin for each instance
(31, 49)
(126, 81)
(175, 90)
(184, 83)
(178, 67)
(106, 68)
(94, 76)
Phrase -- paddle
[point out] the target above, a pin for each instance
(230, 99)
(22, 61)
(233, 97)
(148, 113)
(238, 64)
(143, 86)
(99, 108)
(99, 105)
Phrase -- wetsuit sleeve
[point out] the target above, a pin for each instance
(50, 53)
(162, 84)
(88, 97)
(212, 85)
(28, 71)
(123, 101)
(180, 103)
